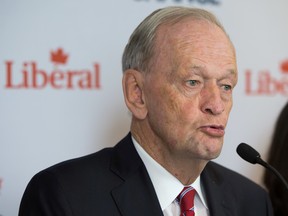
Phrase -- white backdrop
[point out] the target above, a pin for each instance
(72, 109)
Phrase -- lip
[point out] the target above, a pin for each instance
(213, 130)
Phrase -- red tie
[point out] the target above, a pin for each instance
(186, 201)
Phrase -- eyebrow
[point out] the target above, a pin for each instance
(201, 68)
(232, 73)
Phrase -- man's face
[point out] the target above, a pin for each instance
(188, 90)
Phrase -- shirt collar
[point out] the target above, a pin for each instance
(167, 186)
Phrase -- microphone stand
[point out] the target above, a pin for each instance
(273, 170)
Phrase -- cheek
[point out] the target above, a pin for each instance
(182, 111)
(171, 102)
(229, 107)
(168, 105)
(164, 107)
(190, 108)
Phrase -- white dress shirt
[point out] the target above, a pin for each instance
(168, 187)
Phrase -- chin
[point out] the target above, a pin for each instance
(212, 152)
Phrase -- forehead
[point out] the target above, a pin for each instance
(191, 32)
(193, 40)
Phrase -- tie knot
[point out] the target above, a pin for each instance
(186, 200)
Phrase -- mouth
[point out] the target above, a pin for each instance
(213, 130)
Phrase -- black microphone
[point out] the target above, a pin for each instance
(250, 155)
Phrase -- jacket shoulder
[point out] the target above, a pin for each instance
(224, 175)
(238, 193)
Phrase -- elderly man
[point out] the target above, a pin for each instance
(179, 71)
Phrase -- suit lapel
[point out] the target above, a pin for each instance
(136, 195)
(218, 194)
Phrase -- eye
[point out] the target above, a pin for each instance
(227, 87)
(193, 82)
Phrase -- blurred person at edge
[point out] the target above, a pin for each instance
(179, 71)
(278, 158)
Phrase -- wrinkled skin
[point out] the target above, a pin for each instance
(181, 105)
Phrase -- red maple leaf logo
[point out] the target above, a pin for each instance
(284, 66)
(58, 56)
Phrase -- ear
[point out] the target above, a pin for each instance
(132, 84)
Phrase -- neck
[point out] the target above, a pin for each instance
(185, 168)
(186, 171)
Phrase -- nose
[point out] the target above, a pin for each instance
(211, 100)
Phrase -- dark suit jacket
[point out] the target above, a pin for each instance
(114, 181)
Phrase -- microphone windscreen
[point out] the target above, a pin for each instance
(247, 153)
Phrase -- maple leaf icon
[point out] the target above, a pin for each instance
(284, 66)
(58, 56)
